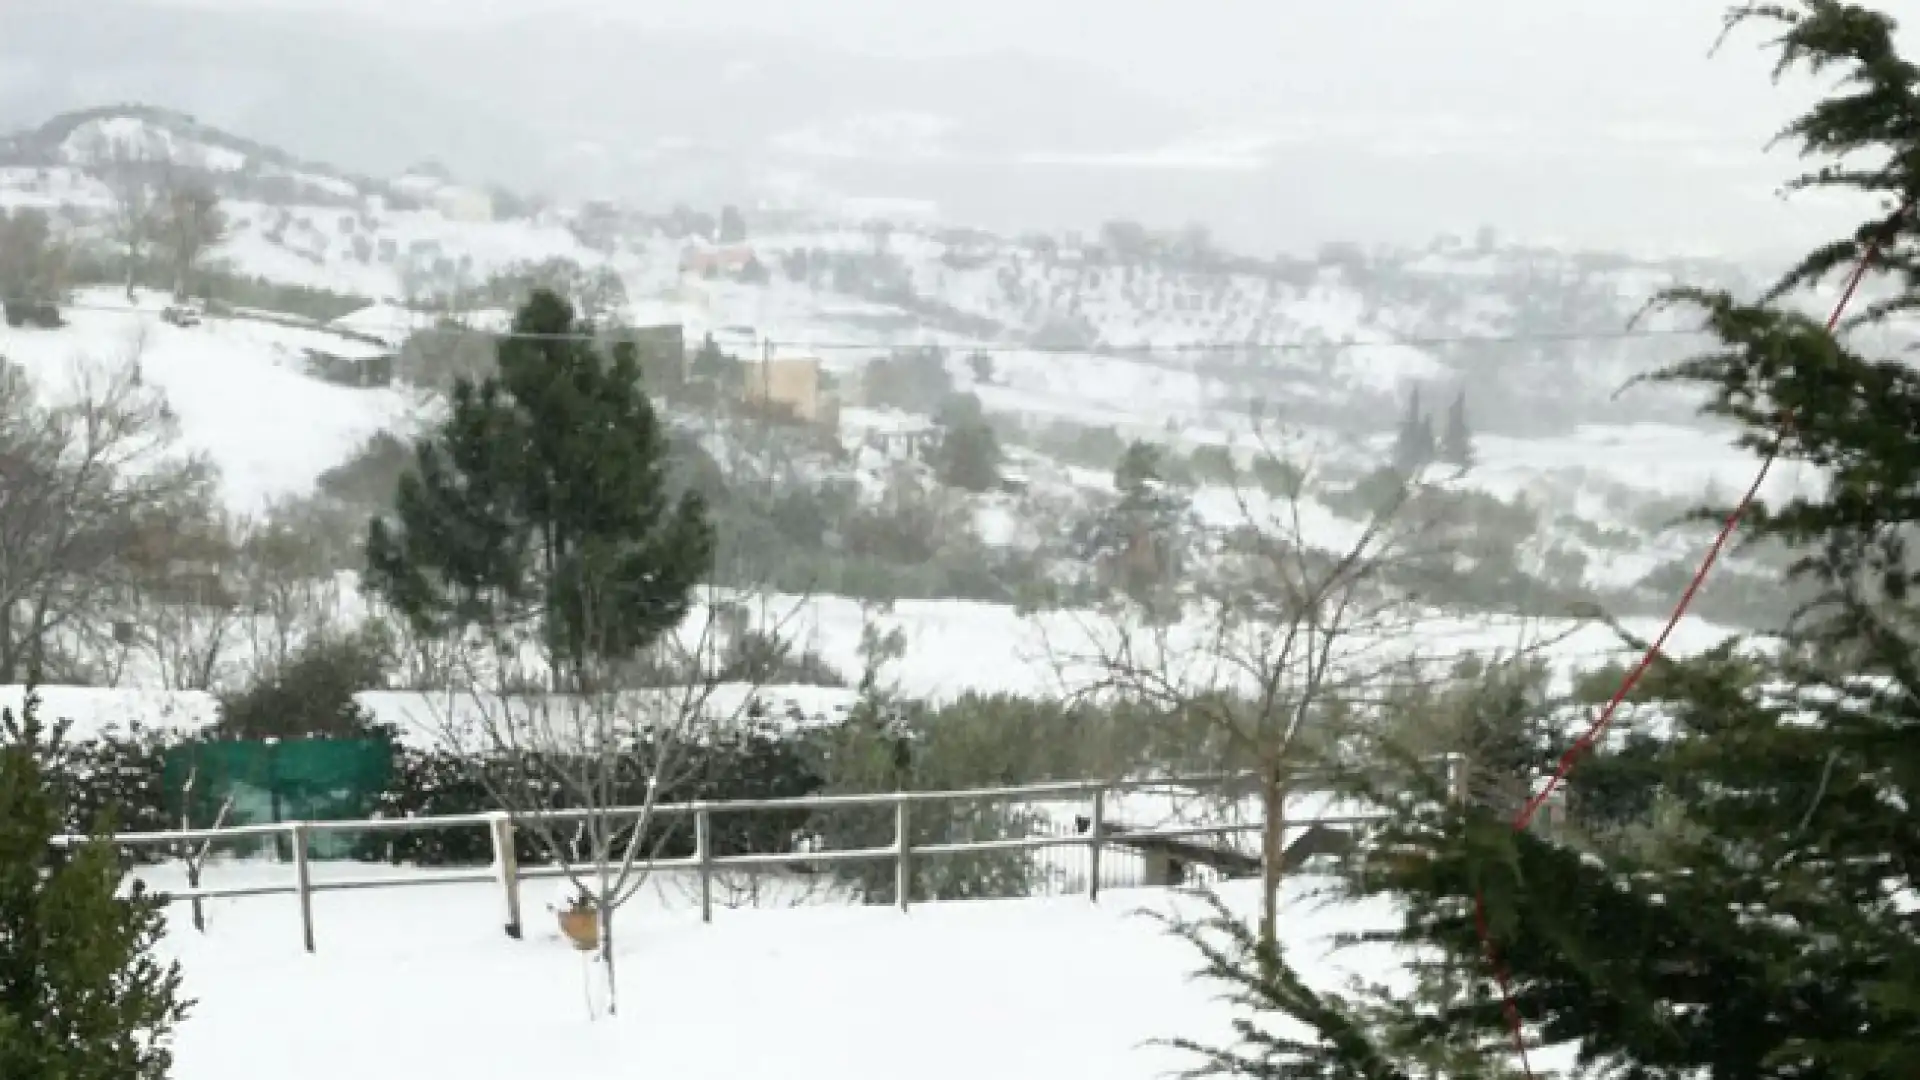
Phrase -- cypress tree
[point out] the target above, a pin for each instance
(543, 498)
(1139, 467)
(1761, 924)
(1456, 440)
(81, 996)
(968, 456)
(1413, 448)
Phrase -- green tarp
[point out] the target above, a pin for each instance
(301, 780)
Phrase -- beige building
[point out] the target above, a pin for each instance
(464, 204)
(709, 262)
(792, 385)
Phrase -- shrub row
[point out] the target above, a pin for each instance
(125, 775)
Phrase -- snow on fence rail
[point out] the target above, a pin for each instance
(506, 871)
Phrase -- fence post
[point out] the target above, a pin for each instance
(902, 855)
(703, 851)
(1096, 824)
(302, 881)
(506, 862)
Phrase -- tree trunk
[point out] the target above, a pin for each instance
(193, 882)
(606, 956)
(1273, 850)
(9, 659)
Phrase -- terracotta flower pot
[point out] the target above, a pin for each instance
(582, 927)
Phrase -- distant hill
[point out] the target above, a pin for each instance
(1073, 344)
(555, 105)
(241, 167)
(1348, 327)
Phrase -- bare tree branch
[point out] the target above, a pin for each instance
(188, 620)
(190, 224)
(1304, 624)
(86, 480)
(621, 737)
(131, 168)
(194, 857)
(287, 585)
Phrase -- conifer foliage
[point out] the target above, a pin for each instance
(544, 498)
(81, 996)
(1456, 439)
(1764, 924)
(1413, 445)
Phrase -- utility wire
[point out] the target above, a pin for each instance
(430, 322)
(1590, 738)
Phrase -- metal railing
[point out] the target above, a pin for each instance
(902, 852)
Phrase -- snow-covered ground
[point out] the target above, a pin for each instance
(1645, 459)
(243, 396)
(421, 982)
(955, 646)
(239, 387)
(952, 648)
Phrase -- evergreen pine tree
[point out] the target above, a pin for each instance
(1139, 468)
(81, 996)
(544, 498)
(968, 456)
(1456, 441)
(1763, 926)
(1141, 538)
(711, 365)
(1413, 447)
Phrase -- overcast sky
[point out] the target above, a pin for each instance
(1619, 65)
(1630, 53)
(1491, 81)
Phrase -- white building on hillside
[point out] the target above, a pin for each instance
(464, 204)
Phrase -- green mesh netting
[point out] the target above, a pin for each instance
(307, 780)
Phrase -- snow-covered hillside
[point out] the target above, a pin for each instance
(1126, 336)
(949, 649)
(1072, 353)
(1338, 325)
(238, 386)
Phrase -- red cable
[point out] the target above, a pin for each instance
(1586, 741)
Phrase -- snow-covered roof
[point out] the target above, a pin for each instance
(389, 322)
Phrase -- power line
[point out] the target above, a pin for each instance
(1218, 346)
(1285, 347)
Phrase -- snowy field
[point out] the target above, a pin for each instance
(422, 982)
(238, 387)
(952, 648)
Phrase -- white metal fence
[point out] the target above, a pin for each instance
(1097, 838)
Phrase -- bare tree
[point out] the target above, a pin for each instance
(287, 583)
(191, 225)
(195, 857)
(81, 480)
(34, 267)
(131, 169)
(605, 748)
(421, 661)
(599, 294)
(190, 621)
(193, 647)
(1297, 630)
